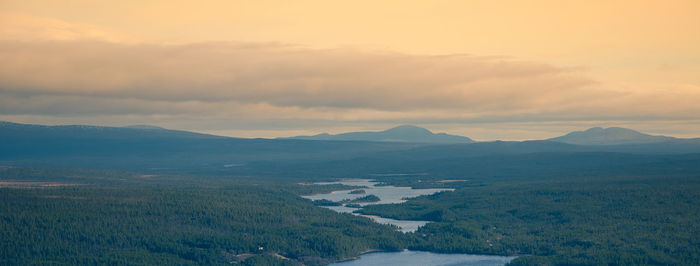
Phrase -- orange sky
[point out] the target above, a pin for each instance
(529, 69)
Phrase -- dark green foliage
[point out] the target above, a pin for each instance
(325, 202)
(557, 203)
(307, 189)
(118, 218)
(368, 198)
(612, 220)
(177, 225)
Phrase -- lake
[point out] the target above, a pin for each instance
(386, 194)
(420, 258)
(392, 194)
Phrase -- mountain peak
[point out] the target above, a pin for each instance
(595, 129)
(409, 129)
(609, 136)
(403, 133)
(146, 127)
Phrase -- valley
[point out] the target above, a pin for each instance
(127, 195)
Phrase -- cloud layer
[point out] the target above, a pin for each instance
(280, 75)
(53, 69)
(167, 78)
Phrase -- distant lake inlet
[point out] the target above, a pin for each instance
(389, 195)
(386, 194)
(422, 258)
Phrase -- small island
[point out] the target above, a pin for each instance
(325, 202)
(358, 191)
(368, 198)
(353, 205)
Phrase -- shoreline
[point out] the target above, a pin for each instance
(369, 251)
(372, 250)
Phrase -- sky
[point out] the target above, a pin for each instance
(511, 70)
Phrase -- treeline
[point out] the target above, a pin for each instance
(619, 220)
(168, 224)
(110, 217)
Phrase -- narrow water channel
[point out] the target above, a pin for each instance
(386, 194)
(392, 194)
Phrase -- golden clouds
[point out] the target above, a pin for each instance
(356, 61)
(22, 27)
(224, 78)
(281, 76)
(519, 28)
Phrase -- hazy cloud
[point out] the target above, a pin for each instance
(281, 76)
(288, 76)
(24, 27)
(69, 72)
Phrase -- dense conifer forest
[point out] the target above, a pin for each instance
(67, 216)
(122, 218)
(619, 220)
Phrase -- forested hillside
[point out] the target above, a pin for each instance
(620, 220)
(185, 198)
(168, 222)
(107, 217)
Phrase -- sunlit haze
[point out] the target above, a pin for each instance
(488, 70)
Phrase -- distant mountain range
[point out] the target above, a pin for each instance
(140, 146)
(402, 149)
(405, 133)
(610, 136)
(27, 131)
(149, 127)
(414, 134)
(400, 134)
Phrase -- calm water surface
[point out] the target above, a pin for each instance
(421, 258)
(392, 194)
(386, 194)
